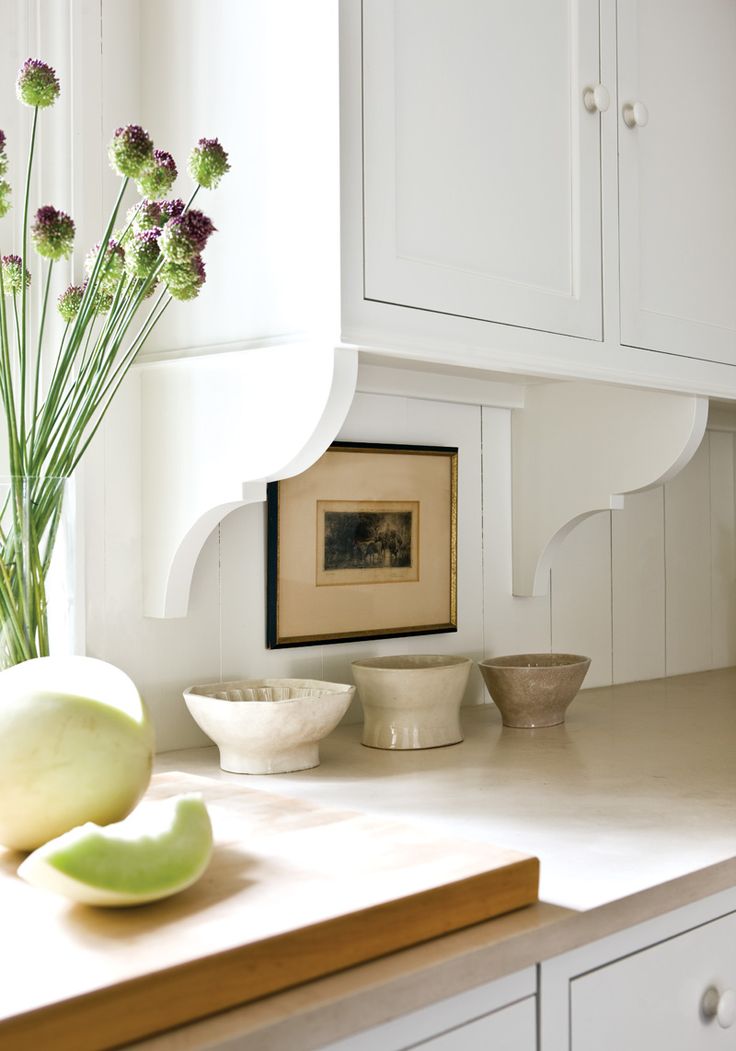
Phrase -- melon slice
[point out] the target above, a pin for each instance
(157, 851)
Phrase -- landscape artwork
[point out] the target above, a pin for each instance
(366, 542)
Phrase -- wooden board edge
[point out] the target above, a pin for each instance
(152, 1003)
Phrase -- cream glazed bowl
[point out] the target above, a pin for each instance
(411, 701)
(268, 726)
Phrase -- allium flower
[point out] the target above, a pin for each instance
(112, 267)
(12, 267)
(3, 158)
(52, 233)
(208, 163)
(185, 279)
(4, 197)
(171, 210)
(186, 236)
(142, 253)
(158, 178)
(131, 151)
(69, 302)
(37, 84)
(103, 302)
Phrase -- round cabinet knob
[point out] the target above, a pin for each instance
(636, 115)
(721, 1006)
(596, 99)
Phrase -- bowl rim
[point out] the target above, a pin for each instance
(570, 660)
(443, 660)
(325, 689)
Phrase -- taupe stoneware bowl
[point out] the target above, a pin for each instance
(534, 689)
(268, 726)
(411, 701)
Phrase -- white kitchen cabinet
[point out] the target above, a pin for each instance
(481, 164)
(542, 187)
(677, 172)
(481, 1019)
(668, 983)
(656, 997)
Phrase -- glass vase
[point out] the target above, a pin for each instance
(36, 568)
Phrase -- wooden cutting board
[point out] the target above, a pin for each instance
(294, 891)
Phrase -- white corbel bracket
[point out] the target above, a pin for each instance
(216, 429)
(577, 448)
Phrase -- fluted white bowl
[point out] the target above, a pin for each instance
(268, 726)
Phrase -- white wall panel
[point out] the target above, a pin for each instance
(723, 548)
(512, 624)
(581, 596)
(688, 566)
(637, 564)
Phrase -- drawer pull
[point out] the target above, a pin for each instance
(720, 1005)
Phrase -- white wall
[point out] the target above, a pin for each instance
(646, 591)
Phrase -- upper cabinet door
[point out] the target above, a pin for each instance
(677, 176)
(481, 161)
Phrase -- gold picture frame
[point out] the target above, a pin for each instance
(363, 545)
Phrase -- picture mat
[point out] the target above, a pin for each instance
(307, 612)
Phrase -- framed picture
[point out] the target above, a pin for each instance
(363, 545)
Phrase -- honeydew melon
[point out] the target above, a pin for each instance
(159, 850)
(76, 745)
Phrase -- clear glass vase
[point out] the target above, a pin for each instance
(36, 568)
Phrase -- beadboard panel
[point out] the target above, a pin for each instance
(638, 587)
(688, 612)
(581, 597)
(608, 583)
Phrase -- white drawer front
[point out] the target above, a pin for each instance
(512, 1028)
(653, 998)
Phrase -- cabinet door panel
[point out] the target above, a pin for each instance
(653, 998)
(481, 163)
(677, 176)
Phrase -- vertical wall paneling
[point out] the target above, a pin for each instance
(688, 566)
(511, 624)
(581, 596)
(723, 548)
(637, 562)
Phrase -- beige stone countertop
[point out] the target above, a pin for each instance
(631, 807)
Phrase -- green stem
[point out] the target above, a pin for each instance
(39, 355)
(22, 345)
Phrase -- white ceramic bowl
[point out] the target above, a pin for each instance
(268, 726)
(411, 701)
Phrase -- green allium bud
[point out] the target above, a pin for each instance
(4, 198)
(142, 253)
(208, 162)
(37, 84)
(131, 151)
(146, 215)
(69, 302)
(111, 268)
(52, 233)
(157, 179)
(184, 280)
(12, 267)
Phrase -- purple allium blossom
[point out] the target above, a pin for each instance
(12, 271)
(37, 84)
(69, 302)
(112, 267)
(3, 140)
(186, 236)
(4, 197)
(184, 280)
(158, 178)
(142, 253)
(208, 162)
(3, 158)
(131, 150)
(171, 209)
(146, 215)
(52, 233)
